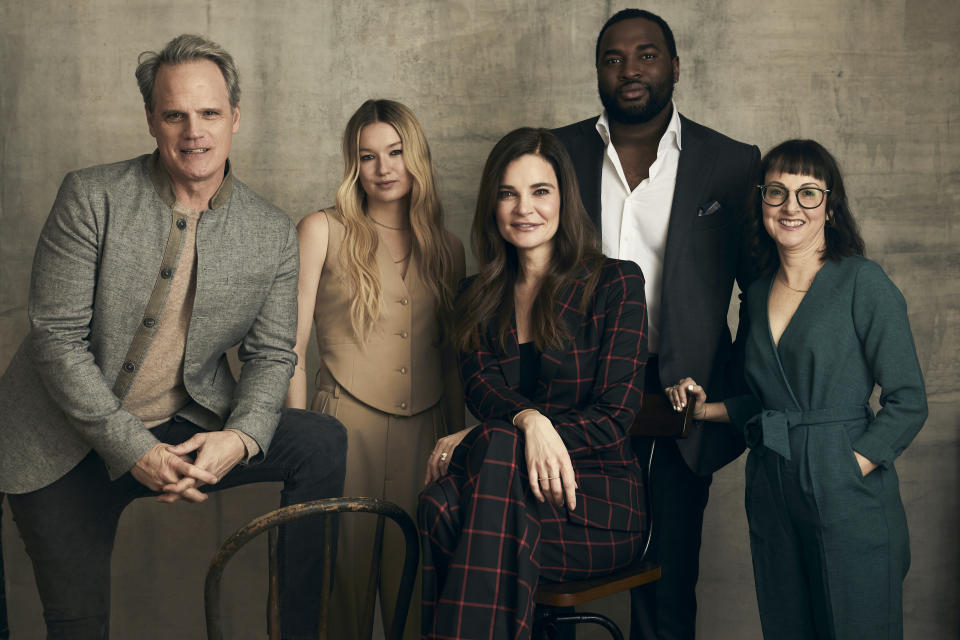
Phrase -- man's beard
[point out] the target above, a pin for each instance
(658, 98)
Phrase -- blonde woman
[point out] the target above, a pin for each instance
(378, 275)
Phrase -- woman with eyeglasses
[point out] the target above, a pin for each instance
(378, 276)
(824, 325)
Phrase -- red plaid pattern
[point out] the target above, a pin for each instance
(486, 540)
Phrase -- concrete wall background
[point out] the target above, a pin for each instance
(874, 80)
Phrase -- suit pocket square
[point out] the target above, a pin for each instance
(708, 209)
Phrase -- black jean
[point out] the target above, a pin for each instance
(68, 527)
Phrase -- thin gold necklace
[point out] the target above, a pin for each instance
(386, 226)
(783, 281)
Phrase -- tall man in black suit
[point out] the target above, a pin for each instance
(669, 194)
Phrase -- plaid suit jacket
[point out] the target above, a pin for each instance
(590, 389)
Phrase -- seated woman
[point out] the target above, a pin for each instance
(824, 325)
(378, 276)
(552, 340)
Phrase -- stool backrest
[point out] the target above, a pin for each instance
(318, 508)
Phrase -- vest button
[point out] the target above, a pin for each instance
(403, 371)
(182, 224)
(166, 272)
(404, 334)
(404, 301)
(129, 367)
(403, 405)
(149, 323)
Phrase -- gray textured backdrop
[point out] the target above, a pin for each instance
(874, 80)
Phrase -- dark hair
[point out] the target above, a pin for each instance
(805, 157)
(489, 298)
(629, 14)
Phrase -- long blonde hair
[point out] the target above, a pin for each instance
(430, 245)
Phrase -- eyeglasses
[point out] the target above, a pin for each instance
(775, 195)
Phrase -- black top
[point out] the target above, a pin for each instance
(529, 369)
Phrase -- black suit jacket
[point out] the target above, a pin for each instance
(704, 254)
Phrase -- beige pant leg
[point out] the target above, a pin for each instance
(366, 433)
(386, 458)
(409, 443)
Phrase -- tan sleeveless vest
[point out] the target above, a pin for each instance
(398, 370)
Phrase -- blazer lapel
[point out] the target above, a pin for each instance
(588, 165)
(694, 171)
(509, 360)
(571, 317)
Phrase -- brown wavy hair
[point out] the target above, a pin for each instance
(431, 246)
(489, 297)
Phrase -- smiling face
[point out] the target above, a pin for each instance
(793, 228)
(193, 123)
(635, 73)
(528, 204)
(383, 173)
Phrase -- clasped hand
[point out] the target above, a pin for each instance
(168, 470)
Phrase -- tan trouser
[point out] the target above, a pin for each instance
(386, 458)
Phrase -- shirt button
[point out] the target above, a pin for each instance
(182, 224)
(403, 405)
(404, 334)
(403, 371)
(166, 272)
(129, 367)
(404, 301)
(149, 323)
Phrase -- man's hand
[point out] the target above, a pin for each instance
(160, 468)
(217, 453)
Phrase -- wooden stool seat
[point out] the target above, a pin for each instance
(573, 593)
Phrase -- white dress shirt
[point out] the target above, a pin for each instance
(634, 223)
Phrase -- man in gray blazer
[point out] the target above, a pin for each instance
(145, 273)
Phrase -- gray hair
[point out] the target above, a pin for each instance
(187, 48)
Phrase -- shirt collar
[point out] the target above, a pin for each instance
(164, 185)
(671, 135)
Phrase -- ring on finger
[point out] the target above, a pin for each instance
(443, 456)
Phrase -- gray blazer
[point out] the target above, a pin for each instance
(99, 275)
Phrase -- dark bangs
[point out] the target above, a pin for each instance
(805, 158)
(801, 157)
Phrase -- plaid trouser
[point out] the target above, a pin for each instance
(487, 542)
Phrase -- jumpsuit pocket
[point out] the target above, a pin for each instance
(847, 441)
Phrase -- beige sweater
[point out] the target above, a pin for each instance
(157, 392)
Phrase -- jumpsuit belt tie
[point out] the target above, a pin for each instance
(772, 428)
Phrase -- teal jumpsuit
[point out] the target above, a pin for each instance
(830, 546)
